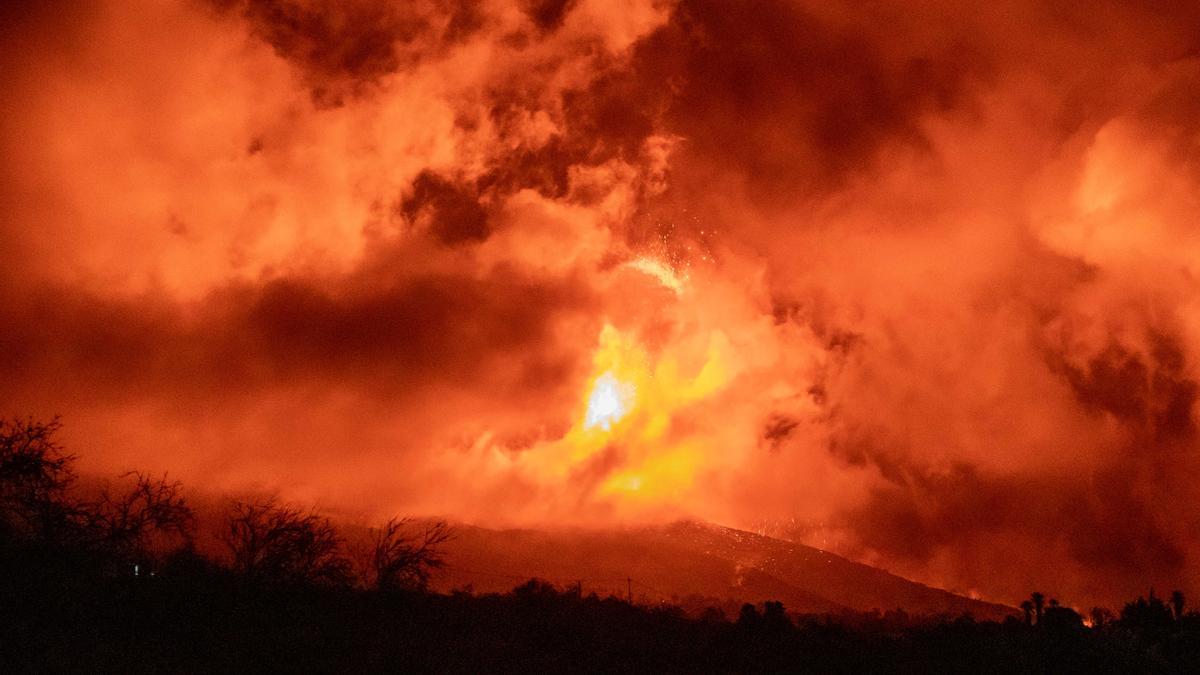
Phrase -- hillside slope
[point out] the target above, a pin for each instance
(689, 563)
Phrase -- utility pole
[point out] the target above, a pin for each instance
(629, 588)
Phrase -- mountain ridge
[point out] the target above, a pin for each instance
(691, 564)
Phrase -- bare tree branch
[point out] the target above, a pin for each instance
(270, 541)
(401, 561)
(152, 512)
(35, 474)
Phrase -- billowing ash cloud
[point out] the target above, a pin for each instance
(917, 284)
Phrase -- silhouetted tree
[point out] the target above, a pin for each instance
(274, 542)
(1101, 617)
(405, 561)
(1059, 618)
(774, 617)
(1039, 601)
(151, 514)
(1177, 601)
(1027, 608)
(35, 475)
(1147, 615)
(748, 617)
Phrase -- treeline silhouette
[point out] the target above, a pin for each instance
(113, 581)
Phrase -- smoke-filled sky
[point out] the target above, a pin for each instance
(913, 281)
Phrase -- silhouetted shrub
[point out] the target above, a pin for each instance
(405, 561)
(537, 590)
(273, 542)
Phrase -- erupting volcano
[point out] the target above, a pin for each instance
(913, 286)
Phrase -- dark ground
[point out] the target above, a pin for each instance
(63, 613)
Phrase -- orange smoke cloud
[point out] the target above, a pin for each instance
(916, 284)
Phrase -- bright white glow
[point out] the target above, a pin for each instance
(610, 401)
(665, 275)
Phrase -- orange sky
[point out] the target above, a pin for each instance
(916, 283)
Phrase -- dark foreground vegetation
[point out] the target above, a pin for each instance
(114, 582)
